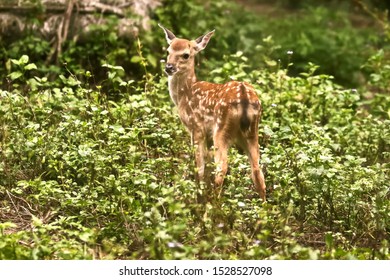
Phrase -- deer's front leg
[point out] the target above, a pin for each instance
(199, 142)
(221, 147)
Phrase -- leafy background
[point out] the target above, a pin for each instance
(95, 163)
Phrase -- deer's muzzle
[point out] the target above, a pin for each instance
(170, 69)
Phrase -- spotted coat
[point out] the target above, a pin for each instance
(221, 114)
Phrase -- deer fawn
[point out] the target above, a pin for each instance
(226, 113)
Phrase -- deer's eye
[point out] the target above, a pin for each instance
(186, 56)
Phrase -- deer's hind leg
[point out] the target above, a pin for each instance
(251, 148)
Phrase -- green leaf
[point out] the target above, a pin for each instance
(118, 128)
(15, 61)
(15, 75)
(6, 225)
(152, 60)
(86, 236)
(271, 63)
(141, 194)
(111, 75)
(8, 65)
(23, 60)
(30, 66)
(136, 59)
(329, 240)
(241, 204)
(115, 67)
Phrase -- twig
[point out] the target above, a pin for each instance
(374, 15)
(13, 203)
(63, 29)
(28, 204)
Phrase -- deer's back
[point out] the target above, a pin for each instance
(233, 106)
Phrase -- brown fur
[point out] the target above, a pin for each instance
(227, 113)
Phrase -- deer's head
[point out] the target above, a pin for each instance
(181, 52)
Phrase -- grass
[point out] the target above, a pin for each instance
(90, 175)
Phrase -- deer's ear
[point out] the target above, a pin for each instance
(203, 40)
(168, 34)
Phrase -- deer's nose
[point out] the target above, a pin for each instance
(170, 69)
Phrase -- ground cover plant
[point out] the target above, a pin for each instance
(103, 169)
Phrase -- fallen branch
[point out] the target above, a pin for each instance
(91, 8)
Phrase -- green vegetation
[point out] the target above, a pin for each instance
(94, 162)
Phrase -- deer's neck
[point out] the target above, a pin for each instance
(180, 86)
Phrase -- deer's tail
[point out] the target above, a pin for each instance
(250, 111)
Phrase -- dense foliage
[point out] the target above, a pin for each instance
(102, 168)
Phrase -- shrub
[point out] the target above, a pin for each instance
(102, 168)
